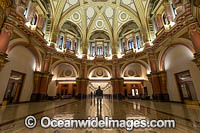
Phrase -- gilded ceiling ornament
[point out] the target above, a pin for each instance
(76, 16)
(99, 24)
(123, 16)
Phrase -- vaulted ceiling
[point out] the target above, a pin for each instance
(109, 16)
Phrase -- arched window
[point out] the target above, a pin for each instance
(34, 20)
(124, 46)
(93, 50)
(130, 43)
(68, 44)
(106, 49)
(99, 50)
(75, 43)
(138, 42)
(61, 42)
(166, 22)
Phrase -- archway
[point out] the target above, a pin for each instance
(135, 80)
(99, 77)
(182, 73)
(17, 74)
(63, 83)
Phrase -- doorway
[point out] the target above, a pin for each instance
(186, 87)
(14, 87)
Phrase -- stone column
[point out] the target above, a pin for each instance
(41, 21)
(47, 63)
(197, 59)
(169, 12)
(21, 6)
(153, 62)
(3, 5)
(4, 41)
(163, 86)
(41, 81)
(154, 79)
(36, 90)
(45, 78)
(31, 13)
(117, 82)
(158, 81)
(159, 21)
(82, 82)
(195, 37)
(117, 85)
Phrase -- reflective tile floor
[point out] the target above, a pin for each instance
(187, 116)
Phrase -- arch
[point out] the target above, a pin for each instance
(96, 67)
(57, 63)
(125, 24)
(99, 31)
(21, 42)
(64, 19)
(73, 24)
(163, 53)
(144, 64)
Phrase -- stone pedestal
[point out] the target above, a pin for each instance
(3, 60)
(197, 59)
(159, 84)
(117, 85)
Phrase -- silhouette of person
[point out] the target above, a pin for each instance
(99, 94)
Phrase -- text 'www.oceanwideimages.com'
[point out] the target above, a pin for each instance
(130, 124)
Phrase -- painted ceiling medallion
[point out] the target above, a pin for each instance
(99, 24)
(76, 16)
(123, 16)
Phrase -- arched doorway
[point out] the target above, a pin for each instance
(100, 77)
(182, 74)
(134, 75)
(63, 83)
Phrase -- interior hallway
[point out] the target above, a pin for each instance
(187, 116)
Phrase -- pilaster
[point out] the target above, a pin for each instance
(197, 59)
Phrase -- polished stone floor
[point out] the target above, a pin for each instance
(187, 116)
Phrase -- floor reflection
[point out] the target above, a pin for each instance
(115, 109)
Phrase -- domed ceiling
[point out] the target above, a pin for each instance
(110, 16)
